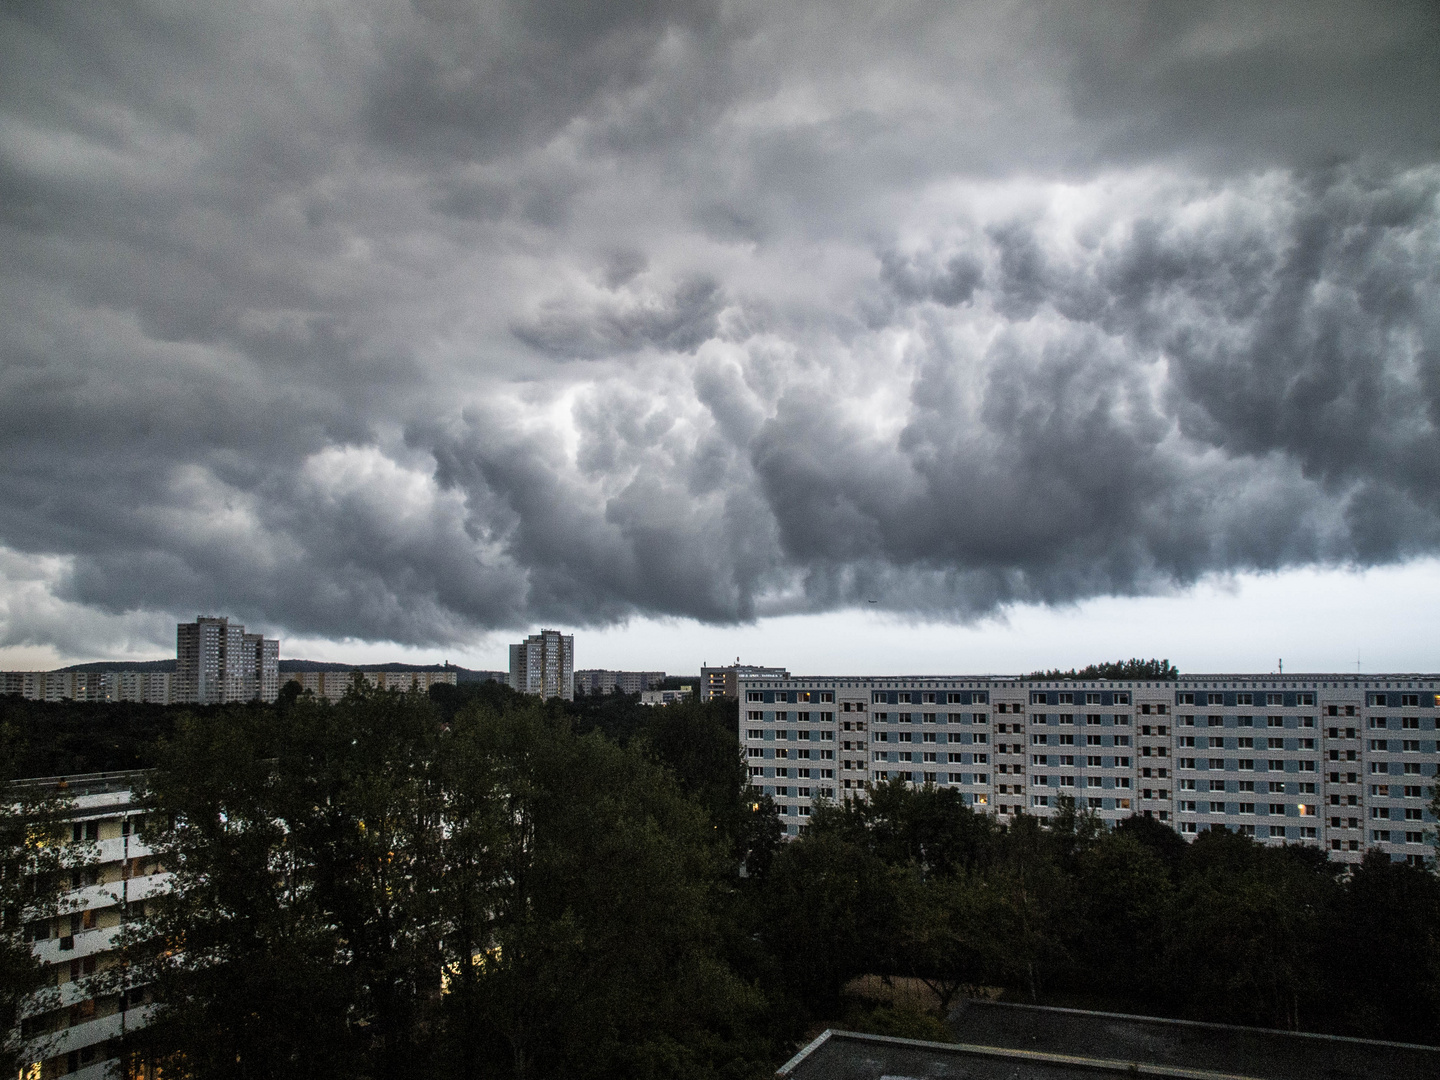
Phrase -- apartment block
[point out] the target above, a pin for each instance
(1341, 762)
(74, 1027)
(217, 662)
(667, 697)
(148, 686)
(332, 685)
(724, 682)
(600, 681)
(544, 664)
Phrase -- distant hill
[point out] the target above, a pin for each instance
(464, 675)
(123, 665)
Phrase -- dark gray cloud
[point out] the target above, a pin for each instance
(949, 306)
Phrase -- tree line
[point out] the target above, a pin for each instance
(473, 883)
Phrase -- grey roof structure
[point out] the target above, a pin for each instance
(1023, 1042)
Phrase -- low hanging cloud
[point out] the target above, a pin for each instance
(444, 319)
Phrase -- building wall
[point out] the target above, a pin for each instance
(332, 685)
(148, 686)
(723, 682)
(599, 681)
(544, 664)
(1340, 762)
(76, 1033)
(217, 662)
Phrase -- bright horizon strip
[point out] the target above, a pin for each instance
(1315, 620)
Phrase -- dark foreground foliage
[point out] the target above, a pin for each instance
(476, 884)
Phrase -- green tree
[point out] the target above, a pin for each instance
(1248, 933)
(365, 889)
(37, 860)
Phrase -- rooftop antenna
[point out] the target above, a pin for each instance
(1282, 667)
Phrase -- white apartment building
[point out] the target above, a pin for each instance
(155, 687)
(602, 681)
(1343, 762)
(332, 685)
(544, 664)
(74, 1028)
(217, 662)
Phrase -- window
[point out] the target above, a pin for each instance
(1217, 721)
(1244, 699)
(1038, 740)
(1122, 699)
(904, 699)
(904, 736)
(1092, 740)
(1067, 718)
(754, 695)
(1067, 699)
(1408, 701)
(1274, 699)
(1304, 699)
(1277, 831)
(1412, 722)
(1092, 699)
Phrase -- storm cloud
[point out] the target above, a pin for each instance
(408, 322)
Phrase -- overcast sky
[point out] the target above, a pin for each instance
(1058, 331)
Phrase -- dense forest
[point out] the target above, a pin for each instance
(476, 884)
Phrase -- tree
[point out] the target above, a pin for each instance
(365, 889)
(601, 954)
(37, 860)
(1250, 941)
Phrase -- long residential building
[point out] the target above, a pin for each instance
(601, 681)
(75, 1026)
(156, 687)
(332, 685)
(1341, 762)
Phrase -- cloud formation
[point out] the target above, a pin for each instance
(408, 322)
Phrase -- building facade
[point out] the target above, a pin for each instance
(544, 664)
(217, 662)
(724, 682)
(1341, 762)
(148, 686)
(332, 685)
(74, 1027)
(599, 681)
(667, 697)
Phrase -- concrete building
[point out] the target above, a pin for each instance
(148, 686)
(723, 682)
(1342, 762)
(216, 662)
(667, 697)
(332, 685)
(544, 664)
(75, 1032)
(599, 681)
